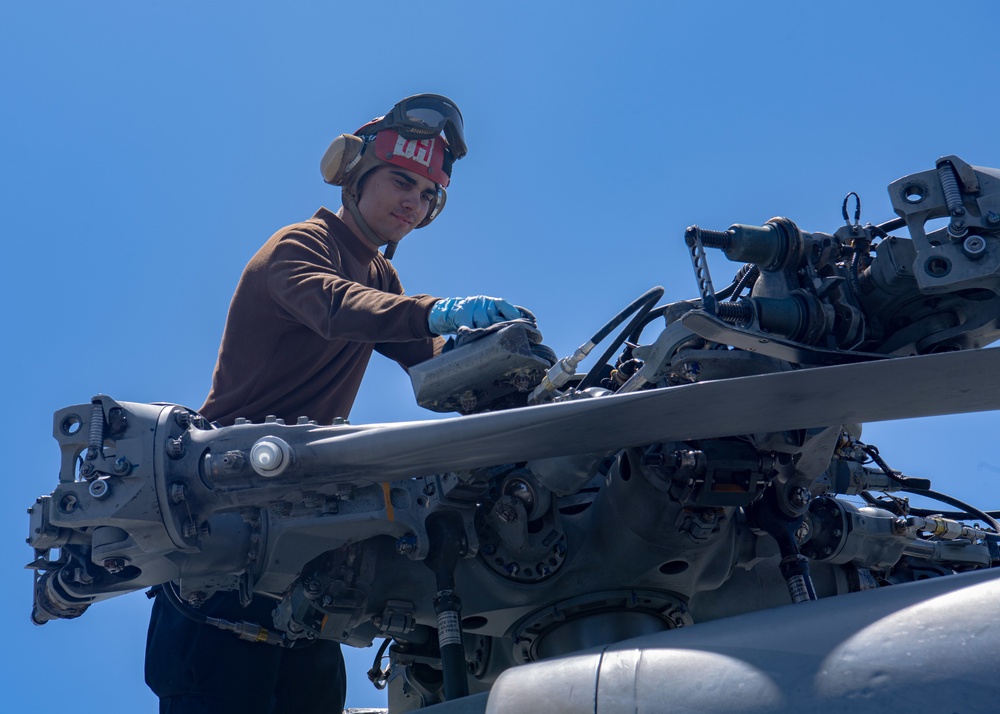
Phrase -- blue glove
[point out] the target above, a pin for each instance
(448, 315)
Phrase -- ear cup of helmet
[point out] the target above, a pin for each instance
(340, 158)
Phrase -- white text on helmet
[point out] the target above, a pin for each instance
(419, 150)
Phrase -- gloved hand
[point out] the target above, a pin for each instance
(448, 315)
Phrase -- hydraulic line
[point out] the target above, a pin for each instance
(645, 307)
(966, 508)
(949, 514)
(376, 675)
(732, 289)
(445, 533)
(564, 369)
(249, 631)
(891, 225)
(906, 483)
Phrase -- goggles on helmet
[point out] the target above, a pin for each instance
(424, 116)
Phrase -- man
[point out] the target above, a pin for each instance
(310, 308)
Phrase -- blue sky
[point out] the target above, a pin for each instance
(148, 149)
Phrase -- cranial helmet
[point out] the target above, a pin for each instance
(409, 136)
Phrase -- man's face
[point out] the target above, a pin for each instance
(394, 201)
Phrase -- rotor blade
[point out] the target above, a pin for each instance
(900, 388)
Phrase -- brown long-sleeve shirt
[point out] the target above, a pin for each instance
(309, 309)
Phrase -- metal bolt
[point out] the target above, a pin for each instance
(240, 421)
(182, 418)
(429, 488)
(690, 370)
(68, 503)
(190, 528)
(467, 400)
(233, 460)
(522, 381)
(802, 532)
(993, 218)
(175, 448)
(312, 586)
(340, 421)
(506, 513)
(974, 247)
(513, 569)
(114, 565)
(489, 549)
(178, 492)
(799, 496)
(122, 466)
(406, 545)
(87, 470)
(310, 499)
(196, 599)
(99, 489)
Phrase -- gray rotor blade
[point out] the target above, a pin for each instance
(900, 388)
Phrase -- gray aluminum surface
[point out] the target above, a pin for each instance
(925, 646)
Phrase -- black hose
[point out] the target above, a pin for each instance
(641, 306)
(892, 225)
(192, 614)
(653, 314)
(905, 482)
(966, 508)
(923, 512)
(377, 675)
(639, 302)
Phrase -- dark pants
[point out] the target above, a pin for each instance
(196, 669)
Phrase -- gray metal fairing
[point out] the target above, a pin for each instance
(928, 644)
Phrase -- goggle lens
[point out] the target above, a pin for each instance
(426, 115)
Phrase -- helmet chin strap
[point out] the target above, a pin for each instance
(352, 207)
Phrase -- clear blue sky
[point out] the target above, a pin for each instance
(148, 149)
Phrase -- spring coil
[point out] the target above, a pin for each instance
(95, 439)
(734, 313)
(949, 184)
(716, 239)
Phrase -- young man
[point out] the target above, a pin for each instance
(310, 308)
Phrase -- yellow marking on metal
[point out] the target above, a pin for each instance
(389, 515)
